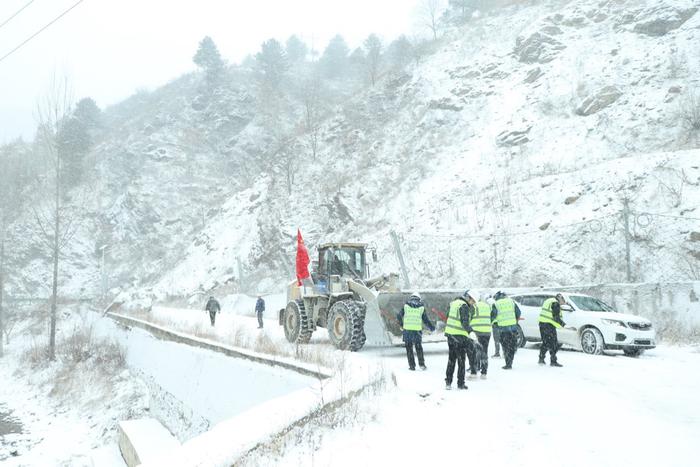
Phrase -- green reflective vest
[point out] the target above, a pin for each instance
(454, 324)
(506, 312)
(481, 320)
(546, 315)
(413, 318)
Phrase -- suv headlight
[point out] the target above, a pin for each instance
(614, 322)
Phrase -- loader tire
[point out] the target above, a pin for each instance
(346, 322)
(297, 325)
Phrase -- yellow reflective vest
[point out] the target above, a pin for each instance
(506, 312)
(413, 318)
(454, 323)
(481, 320)
(546, 315)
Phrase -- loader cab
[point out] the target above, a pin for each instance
(343, 259)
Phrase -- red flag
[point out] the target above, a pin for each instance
(302, 260)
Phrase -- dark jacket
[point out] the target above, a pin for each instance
(494, 313)
(465, 312)
(213, 306)
(260, 305)
(556, 313)
(414, 336)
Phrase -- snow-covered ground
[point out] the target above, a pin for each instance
(596, 410)
(214, 386)
(69, 413)
(601, 410)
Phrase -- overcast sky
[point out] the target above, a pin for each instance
(111, 48)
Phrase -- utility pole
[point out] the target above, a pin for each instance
(399, 255)
(103, 272)
(2, 285)
(626, 219)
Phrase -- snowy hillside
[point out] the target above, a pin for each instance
(515, 114)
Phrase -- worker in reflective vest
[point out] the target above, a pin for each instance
(457, 330)
(480, 321)
(411, 319)
(505, 314)
(550, 319)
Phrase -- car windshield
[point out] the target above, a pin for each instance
(589, 303)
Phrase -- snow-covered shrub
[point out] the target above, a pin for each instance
(689, 113)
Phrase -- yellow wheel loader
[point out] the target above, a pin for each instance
(356, 309)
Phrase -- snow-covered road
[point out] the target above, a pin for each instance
(596, 410)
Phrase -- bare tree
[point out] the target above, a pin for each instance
(373, 54)
(57, 218)
(429, 15)
(312, 100)
(11, 158)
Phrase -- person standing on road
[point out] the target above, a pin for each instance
(550, 319)
(505, 315)
(480, 321)
(259, 309)
(457, 330)
(213, 307)
(411, 319)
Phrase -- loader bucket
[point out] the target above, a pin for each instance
(437, 305)
(382, 326)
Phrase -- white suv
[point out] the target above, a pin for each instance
(591, 324)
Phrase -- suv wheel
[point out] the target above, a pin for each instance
(592, 341)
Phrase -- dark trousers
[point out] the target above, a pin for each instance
(509, 340)
(212, 317)
(549, 342)
(260, 321)
(419, 352)
(457, 354)
(484, 341)
(496, 340)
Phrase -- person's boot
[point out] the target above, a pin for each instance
(423, 367)
(448, 385)
(462, 386)
(556, 363)
(541, 361)
(412, 368)
(483, 375)
(472, 375)
(507, 367)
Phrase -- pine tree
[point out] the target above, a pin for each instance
(209, 59)
(399, 52)
(88, 114)
(296, 50)
(271, 65)
(335, 61)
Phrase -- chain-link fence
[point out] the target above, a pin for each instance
(627, 247)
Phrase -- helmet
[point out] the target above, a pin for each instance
(472, 294)
(416, 294)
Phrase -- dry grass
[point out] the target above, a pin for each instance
(79, 346)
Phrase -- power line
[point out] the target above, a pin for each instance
(18, 12)
(40, 31)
